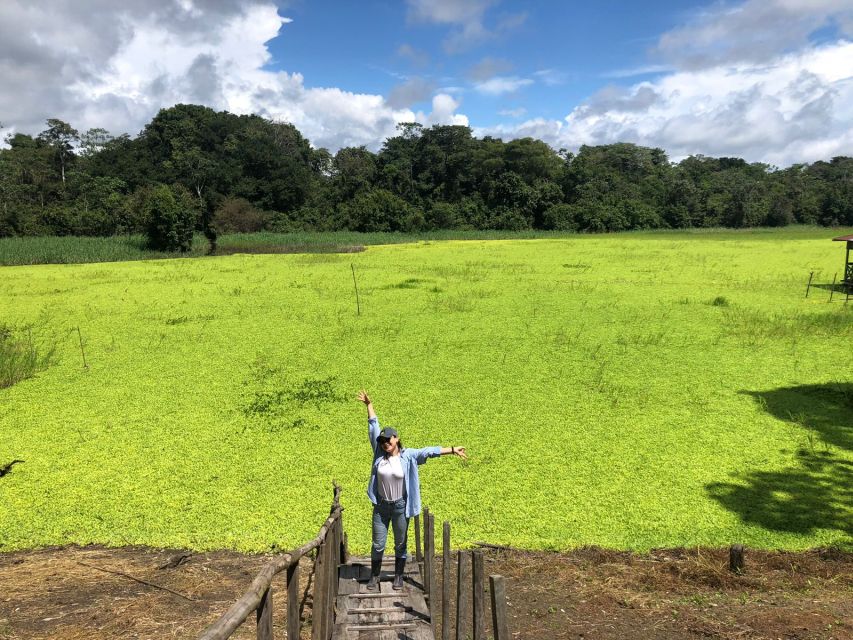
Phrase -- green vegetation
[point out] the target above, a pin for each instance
(246, 173)
(603, 395)
(20, 357)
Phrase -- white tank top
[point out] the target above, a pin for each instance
(390, 472)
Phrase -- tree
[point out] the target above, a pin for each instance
(169, 214)
(93, 141)
(60, 136)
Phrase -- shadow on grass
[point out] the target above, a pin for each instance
(816, 492)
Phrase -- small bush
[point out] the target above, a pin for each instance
(236, 215)
(169, 214)
(19, 357)
(560, 217)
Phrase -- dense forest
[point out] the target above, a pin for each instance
(218, 172)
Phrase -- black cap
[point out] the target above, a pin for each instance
(387, 433)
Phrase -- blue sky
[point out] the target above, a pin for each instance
(577, 48)
(766, 80)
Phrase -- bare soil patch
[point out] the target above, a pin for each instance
(79, 592)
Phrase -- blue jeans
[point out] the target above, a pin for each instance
(393, 513)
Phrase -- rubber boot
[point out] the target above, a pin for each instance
(399, 567)
(375, 569)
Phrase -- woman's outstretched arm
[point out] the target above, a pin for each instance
(372, 420)
(363, 397)
(422, 455)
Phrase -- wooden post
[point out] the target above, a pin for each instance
(445, 582)
(808, 286)
(463, 595)
(318, 608)
(499, 618)
(832, 288)
(479, 588)
(345, 549)
(419, 557)
(429, 555)
(331, 580)
(293, 622)
(355, 284)
(82, 352)
(265, 616)
(736, 560)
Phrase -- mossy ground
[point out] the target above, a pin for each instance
(604, 392)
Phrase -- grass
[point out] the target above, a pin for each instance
(20, 357)
(77, 250)
(603, 398)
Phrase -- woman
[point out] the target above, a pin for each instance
(394, 490)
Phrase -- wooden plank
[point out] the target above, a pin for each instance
(318, 607)
(499, 615)
(343, 632)
(397, 609)
(264, 614)
(332, 584)
(429, 554)
(419, 606)
(445, 582)
(418, 554)
(463, 596)
(479, 589)
(348, 587)
(382, 626)
(293, 621)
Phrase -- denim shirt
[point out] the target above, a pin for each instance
(410, 459)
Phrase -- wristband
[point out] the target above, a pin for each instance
(453, 450)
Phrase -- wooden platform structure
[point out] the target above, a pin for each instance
(343, 609)
(383, 614)
(847, 281)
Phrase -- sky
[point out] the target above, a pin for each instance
(766, 80)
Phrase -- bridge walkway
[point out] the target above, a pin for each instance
(383, 614)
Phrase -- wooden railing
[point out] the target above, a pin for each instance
(331, 547)
(470, 586)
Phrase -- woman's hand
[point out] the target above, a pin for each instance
(459, 451)
(363, 397)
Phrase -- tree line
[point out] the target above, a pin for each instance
(195, 169)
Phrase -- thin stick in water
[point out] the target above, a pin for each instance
(355, 284)
(82, 352)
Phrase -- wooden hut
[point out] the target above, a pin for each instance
(848, 263)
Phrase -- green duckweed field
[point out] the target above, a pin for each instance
(630, 391)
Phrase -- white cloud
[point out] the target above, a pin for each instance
(410, 92)
(754, 31)
(415, 56)
(466, 17)
(488, 68)
(513, 113)
(639, 71)
(95, 63)
(502, 84)
(796, 108)
(551, 77)
(444, 108)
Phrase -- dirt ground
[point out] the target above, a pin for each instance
(94, 593)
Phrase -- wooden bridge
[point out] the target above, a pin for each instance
(343, 609)
(384, 613)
